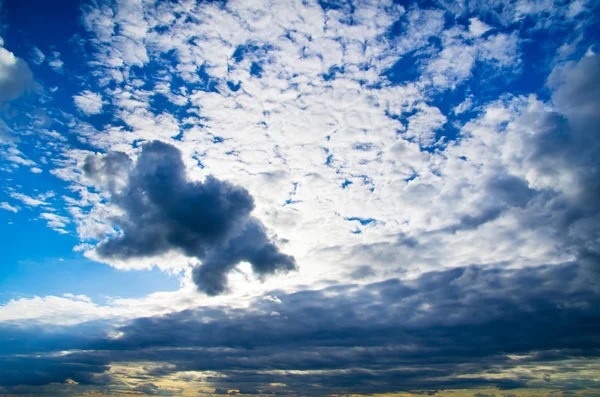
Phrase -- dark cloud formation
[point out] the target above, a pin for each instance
(28, 356)
(456, 328)
(163, 211)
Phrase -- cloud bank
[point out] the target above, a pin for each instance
(459, 328)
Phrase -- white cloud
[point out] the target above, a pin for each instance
(55, 222)
(8, 207)
(27, 200)
(88, 102)
(70, 309)
(55, 62)
(477, 28)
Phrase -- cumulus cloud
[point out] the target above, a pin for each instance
(163, 211)
(15, 76)
(88, 102)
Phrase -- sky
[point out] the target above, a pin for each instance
(300, 198)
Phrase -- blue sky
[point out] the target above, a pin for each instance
(299, 197)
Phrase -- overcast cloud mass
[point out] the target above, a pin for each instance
(300, 198)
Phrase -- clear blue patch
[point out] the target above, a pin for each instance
(406, 69)
(52, 274)
(240, 52)
(256, 70)
(333, 4)
(346, 183)
(178, 137)
(234, 86)
(362, 221)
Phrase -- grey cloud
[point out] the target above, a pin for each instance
(502, 192)
(568, 143)
(15, 76)
(577, 86)
(564, 148)
(163, 211)
(151, 389)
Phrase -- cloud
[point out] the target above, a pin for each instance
(163, 211)
(56, 63)
(27, 200)
(15, 76)
(55, 222)
(89, 103)
(8, 207)
(477, 28)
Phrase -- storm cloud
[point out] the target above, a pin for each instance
(162, 211)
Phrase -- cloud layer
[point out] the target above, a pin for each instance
(460, 328)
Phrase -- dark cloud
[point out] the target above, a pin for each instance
(446, 329)
(163, 211)
(439, 330)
